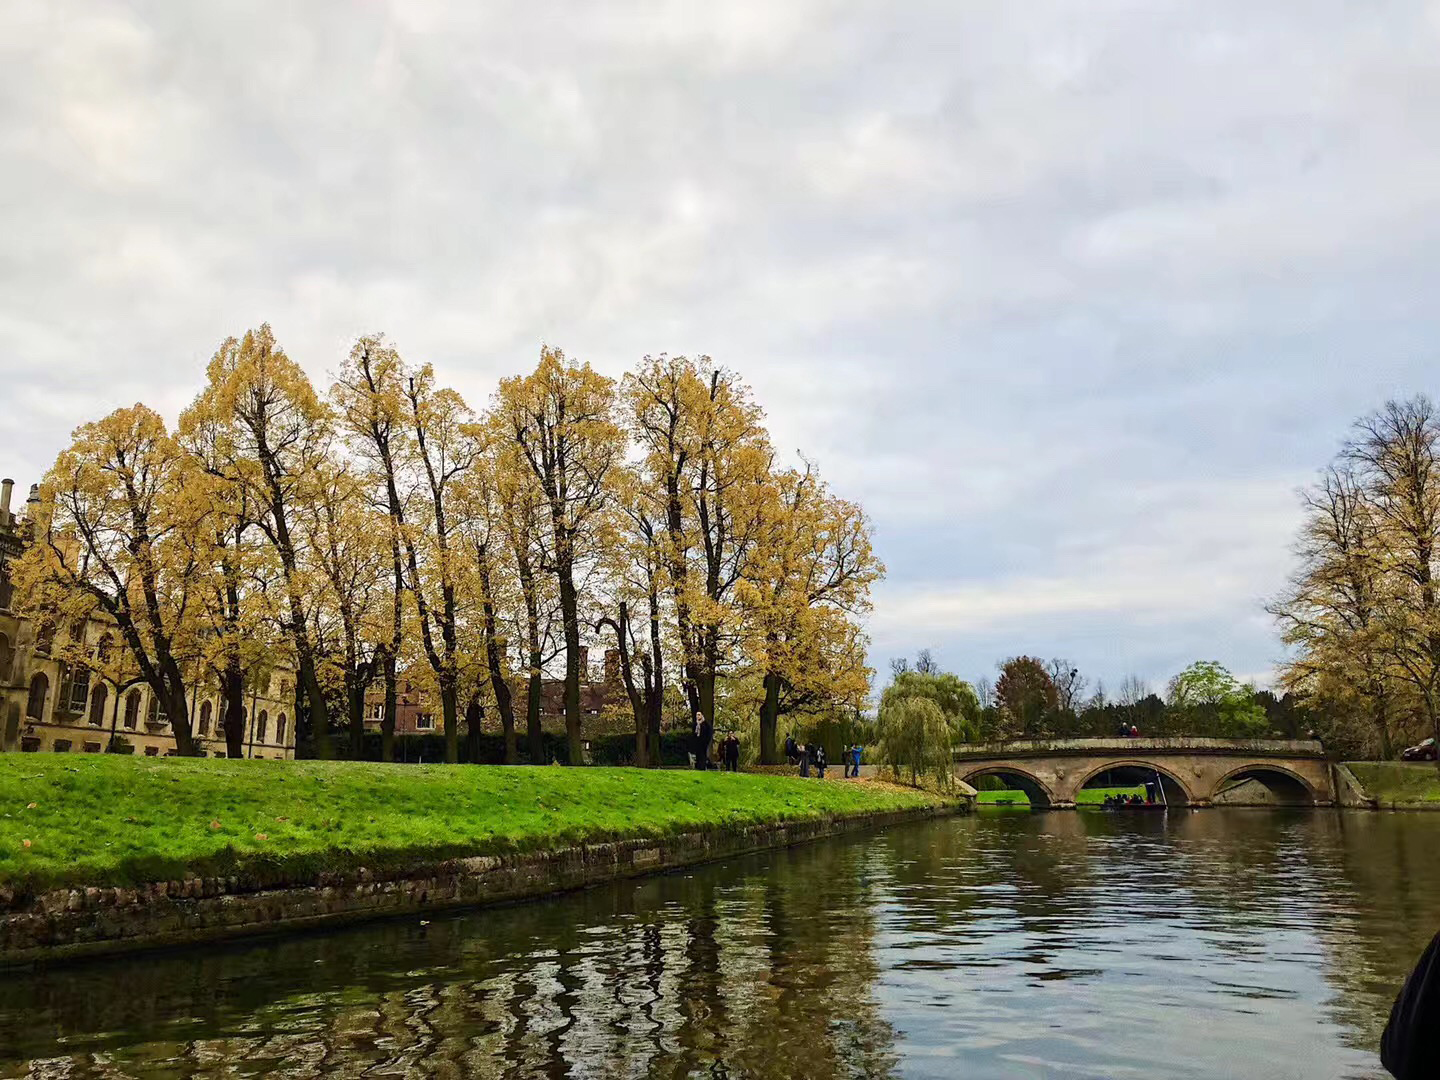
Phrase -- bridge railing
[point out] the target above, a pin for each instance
(1291, 748)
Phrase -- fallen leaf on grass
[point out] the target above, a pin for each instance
(215, 824)
(282, 819)
(261, 836)
(31, 806)
(25, 842)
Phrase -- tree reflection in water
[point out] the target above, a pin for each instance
(1227, 942)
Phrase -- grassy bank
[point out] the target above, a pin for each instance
(69, 819)
(1399, 783)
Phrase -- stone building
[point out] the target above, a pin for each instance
(49, 704)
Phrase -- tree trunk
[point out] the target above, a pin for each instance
(387, 722)
(532, 713)
(450, 707)
(474, 719)
(356, 691)
(317, 708)
(570, 617)
(770, 721)
(173, 695)
(504, 703)
(233, 709)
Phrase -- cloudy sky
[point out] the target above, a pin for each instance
(1072, 295)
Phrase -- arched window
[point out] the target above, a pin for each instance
(132, 709)
(280, 730)
(97, 705)
(7, 590)
(205, 718)
(77, 631)
(102, 650)
(39, 691)
(74, 689)
(44, 637)
(156, 713)
(261, 725)
(7, 658)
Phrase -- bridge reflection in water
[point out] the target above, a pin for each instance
(1190, 772)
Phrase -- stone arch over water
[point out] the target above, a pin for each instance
(1017, 778)
(1132, 773)
(1282, 785)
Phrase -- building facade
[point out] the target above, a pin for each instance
(50, 700)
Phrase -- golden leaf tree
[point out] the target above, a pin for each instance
(561, 427)
(807, 587)
(273, 441)
(705, 457)
(107, 537)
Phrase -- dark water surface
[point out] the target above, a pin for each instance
(1219, 943)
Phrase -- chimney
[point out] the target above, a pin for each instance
(584, 664)
(6, 487)
(612, 667)
(34, 499)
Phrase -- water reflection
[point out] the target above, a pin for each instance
(1245, 943)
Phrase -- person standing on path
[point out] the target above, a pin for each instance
(803, 753)
(820, 762)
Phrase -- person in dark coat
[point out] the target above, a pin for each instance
(704, 736)
(792, 752)
(820, 762)
(1410, 1047)
(803, 753)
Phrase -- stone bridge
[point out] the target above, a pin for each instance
(1191, 772)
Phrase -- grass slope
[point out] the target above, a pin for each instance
(1398, 782)
(68, 819)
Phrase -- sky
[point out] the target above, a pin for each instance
(1074, 297)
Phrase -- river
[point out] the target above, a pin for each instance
(1213, 943)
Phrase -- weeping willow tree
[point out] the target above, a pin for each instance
(915, 736)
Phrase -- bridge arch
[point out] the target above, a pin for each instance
(1034, 788)
(1133, 771)
(1285, 785)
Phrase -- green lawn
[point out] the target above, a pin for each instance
(70, 819)
(1398, 781)
(1086, 797)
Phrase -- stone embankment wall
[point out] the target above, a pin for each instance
(66, 923)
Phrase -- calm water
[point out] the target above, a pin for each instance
(1222, 943)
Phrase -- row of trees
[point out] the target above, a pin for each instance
(925, 712)
(1361, 612)
(385, 529)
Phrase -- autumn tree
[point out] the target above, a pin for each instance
(636, 570)
(805, 589)
(561, 426)
(1331, 614)
(1394, 456)
(107, 538)
(369, 400)
(1026, 696)
(706, 458)
(276, 441)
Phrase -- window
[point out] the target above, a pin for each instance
(102, 650)
(7, 657)
(97, 706)
(261, 725)
(132, 709)
(152, 751)
(205, 713)
(377, 711)
(77, 631)
(156, 713)
(39, 691)
(425, 722)
(92, 748)
(74, 689)
(7, 591)
(62, 746)
(44, 637)
(280, 730)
